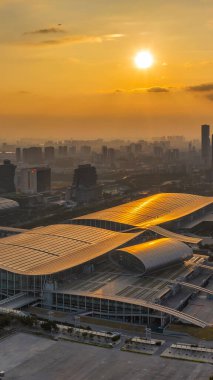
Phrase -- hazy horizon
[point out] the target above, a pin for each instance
(67, 68)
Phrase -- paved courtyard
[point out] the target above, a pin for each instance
(29, 357)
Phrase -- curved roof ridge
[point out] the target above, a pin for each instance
(159, 253)
(24, 254)
(152, 210)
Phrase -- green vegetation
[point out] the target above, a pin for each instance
(28, 321)
(70, 330)
(49, 326)
(5, 321)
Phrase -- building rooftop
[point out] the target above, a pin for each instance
(46, 250)
(159, 253)
(153, 210)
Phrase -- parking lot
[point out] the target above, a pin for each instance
(29, 357)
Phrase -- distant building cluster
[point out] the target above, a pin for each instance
(88, 171)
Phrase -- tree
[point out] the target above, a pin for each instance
(5, 321)
(49, 326)
(70, 330)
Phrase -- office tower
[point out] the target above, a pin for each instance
(104, 153)
(84, 187)
(43, 179)
(138, 148)
(62, 150)
(7, 176)
(173, 155)
(85, 175)
(158, 151)
(205, 143)
(25, 155)
(18, 155)
(111, 154)
(49, 153)
(33, 180)
(212, 150)
(4, 147)
(85, 150)
(72, 150)
(33, 155)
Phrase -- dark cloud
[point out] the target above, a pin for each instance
(157, 89)
(201, 87)
(46, 31)
(141, 90)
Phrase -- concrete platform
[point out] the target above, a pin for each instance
(28, 357)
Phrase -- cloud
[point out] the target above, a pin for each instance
(201, 87)
(111, 37)
(158, 89)
(72, 40)
(75, 39)
(46, 31)
(142, 90)
(149, 89)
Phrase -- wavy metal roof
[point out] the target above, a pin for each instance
(153, 210)
(159, 253)
(51, 249)
(163, 232)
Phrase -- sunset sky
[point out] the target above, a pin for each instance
(67, 68)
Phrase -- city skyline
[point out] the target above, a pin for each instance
(69, 68)
(106, 189)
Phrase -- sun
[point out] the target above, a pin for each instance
(143, 59)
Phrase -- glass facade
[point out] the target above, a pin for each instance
(12, 283)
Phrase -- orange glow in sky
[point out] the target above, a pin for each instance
(105, 68)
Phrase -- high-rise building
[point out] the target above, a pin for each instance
(18, 155)
(104, 153)
(85, 188)
(7, 176)
(49, 153)
(205, 143)
(111, 154)
(72, 150)
(62, 150)
(158, 151)
(212, 150)
(173, 155)
(85, 150)
(33, 155)
(33, 180)
(25, 154)
(85, 175)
